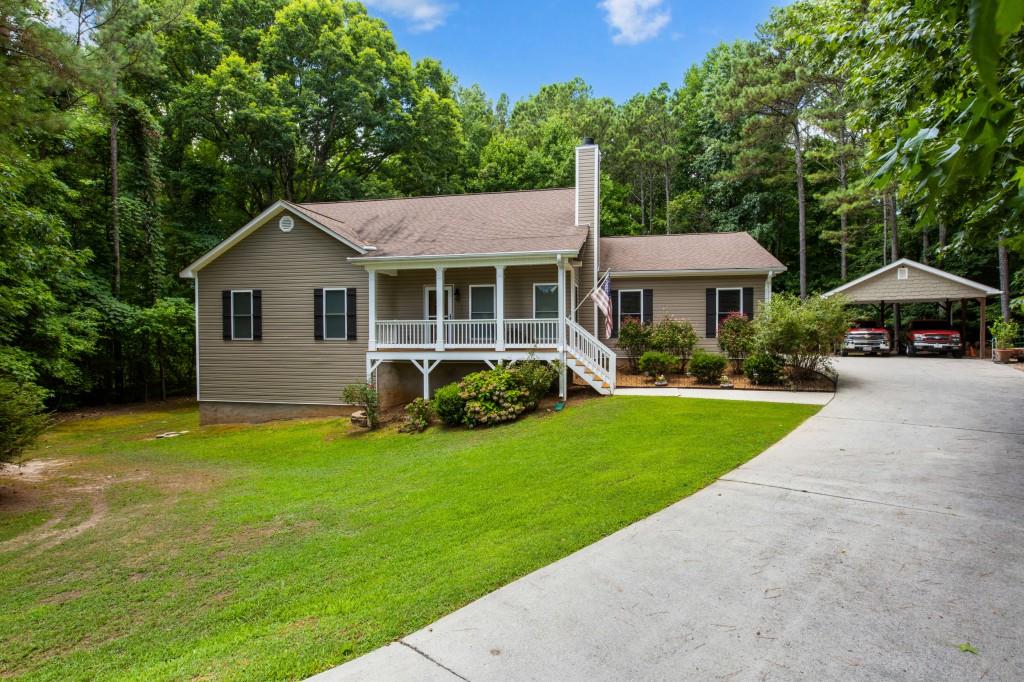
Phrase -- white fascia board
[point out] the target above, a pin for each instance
(696, 273)
(255, 224)
(462, 260)
(987, 290)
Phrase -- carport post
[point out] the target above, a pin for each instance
(963, 325)
(881, 313)
(981, 332)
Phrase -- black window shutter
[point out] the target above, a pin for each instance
(225, 313)
(318, 314)
(710, 313)
(748, 302)
(257, 314)
(615, 313)
(350, 314)
(648, 307)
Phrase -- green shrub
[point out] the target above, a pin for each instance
(763, 368)
(536, 376)
(654, 363)
(449, 405)
(365, 397)
(22, 417)
(493, 397)
(736, 337)
(675, 337)
(634, 339)
(418, 415)
(1005, 332)
(804, 333)
(707, 367)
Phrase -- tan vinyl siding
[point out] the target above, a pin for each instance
(287, 365)
(919, 286)
(586, 215)
(684, 298)
(400, 297)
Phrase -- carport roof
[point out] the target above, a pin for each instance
(921, 283)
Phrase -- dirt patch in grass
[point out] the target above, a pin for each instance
(34, 470)
(122, 410)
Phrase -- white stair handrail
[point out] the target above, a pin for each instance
(589, 350)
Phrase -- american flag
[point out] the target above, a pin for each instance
(603, 298)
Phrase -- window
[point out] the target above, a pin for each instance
(481, 302)
(241, 315)
(335, 314)
(729, 301)
(545, 301)
(631, 306)
(430, 302)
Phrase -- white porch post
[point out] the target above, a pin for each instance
(768, 287)
(572, 292)
(561, 302)
(499, 307)
(439, 292)
(371, 333)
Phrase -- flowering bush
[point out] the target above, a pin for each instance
(675, 337)
(418, 415)
(493, 396)
(365, 396)
(536, 376)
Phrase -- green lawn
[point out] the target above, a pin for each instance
(278, 551)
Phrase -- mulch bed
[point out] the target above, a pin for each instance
(625, 379)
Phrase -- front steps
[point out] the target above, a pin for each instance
(588, 373)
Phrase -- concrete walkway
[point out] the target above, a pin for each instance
(800, 397)
(870, 543)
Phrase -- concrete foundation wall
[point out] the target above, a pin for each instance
(211, 412)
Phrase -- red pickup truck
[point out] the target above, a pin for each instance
(866, 337)
(933, 336)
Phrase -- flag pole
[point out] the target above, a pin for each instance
(597, 286)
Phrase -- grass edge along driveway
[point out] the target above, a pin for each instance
(280, 550)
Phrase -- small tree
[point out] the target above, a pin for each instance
(22, 417)
(735, 338)
(802, 332)
(676, 337)
(364, 396)
(635, 339)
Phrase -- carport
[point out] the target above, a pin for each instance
(907, 281)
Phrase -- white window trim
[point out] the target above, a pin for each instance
(618, 305)
(428, 292)
(323, 312)
(234, 337)
(544, 284)
(494, 300)
(718, 307)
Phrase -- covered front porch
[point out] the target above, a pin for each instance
(474, 310)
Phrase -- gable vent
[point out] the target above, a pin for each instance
(902, 273)
(286, 223)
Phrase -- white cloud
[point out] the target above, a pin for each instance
(425, 15)
(634, 21)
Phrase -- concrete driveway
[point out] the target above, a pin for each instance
(870, 543)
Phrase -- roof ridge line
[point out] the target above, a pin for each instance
(434, 196)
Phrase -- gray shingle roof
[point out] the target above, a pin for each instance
(696, 251)
(498, 222)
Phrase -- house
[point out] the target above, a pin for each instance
(414, 293)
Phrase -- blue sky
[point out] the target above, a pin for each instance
(620, 47)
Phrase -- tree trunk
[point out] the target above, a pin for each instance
(801, 208)
(894, 232)
(1004, 279)
(924, 246)
(668, 221)
(942, 234)
(844, 237)
(885, 231)
(115, 227)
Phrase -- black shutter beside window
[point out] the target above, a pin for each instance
(648, 306)
(748, 302)
(350, 314)
(710, 313)
(225, 313)
(318, 314)
(615, 314)
(257, 314)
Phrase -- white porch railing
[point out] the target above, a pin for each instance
(406, 333)
(469, 333)
(530, 333)
(519, 333)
